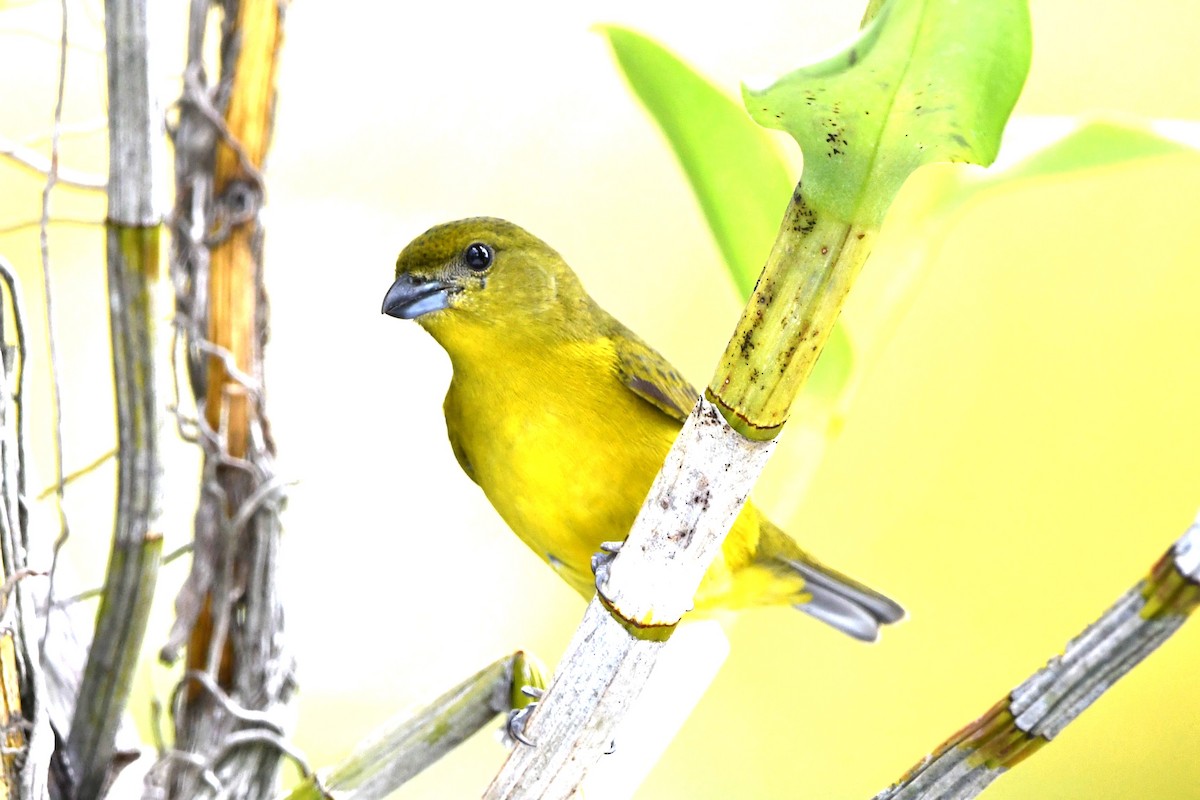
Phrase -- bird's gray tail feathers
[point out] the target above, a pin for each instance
(843, 602)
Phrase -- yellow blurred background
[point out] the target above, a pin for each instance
(1025, 446)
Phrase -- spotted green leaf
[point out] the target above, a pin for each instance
(925, 81)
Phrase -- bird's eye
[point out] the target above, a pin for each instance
(478, 256)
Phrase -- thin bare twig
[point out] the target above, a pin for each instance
(35, 161)
(18, 227)
(21, 620)
(44, 237)
(222, 697)
(240, 739)
(228, 360)
(86, 469)
(11, 581)
(88, 594)
(69, 129)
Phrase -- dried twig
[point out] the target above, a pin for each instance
(29, 224)
(21, 618)
(35, 161)
(44, 240)
(88, 594)
(75, 475)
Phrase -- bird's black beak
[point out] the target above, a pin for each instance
(411, 296)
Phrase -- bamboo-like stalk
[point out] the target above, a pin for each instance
(402, 748)
(1037, 710)
(234, 266)
(791, 314)
(811, 267)
(133, 228)
(229, 613)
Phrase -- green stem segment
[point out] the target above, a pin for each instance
(133, 258)
(791, 313)
(133, 231)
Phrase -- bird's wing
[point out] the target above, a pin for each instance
(652, 378)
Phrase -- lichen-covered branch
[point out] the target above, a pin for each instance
(1037, 710)
(228, 728)
(133, 230)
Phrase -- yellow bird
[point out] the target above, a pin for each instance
(563, 416)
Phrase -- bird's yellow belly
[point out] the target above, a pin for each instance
(566, 487)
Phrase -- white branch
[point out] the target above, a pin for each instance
(651, 583)
(136, 145)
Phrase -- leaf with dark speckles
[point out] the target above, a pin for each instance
(942, 75)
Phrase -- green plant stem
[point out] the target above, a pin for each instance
(789, 318)
(137, 548)
(133, 233)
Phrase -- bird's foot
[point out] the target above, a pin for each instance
(514, 726)
(602, 561)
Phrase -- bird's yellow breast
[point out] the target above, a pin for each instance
(563, 450)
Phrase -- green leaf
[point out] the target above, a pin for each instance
(738, 175)
(926, 81)
(1091, 146)
(930, 209)
(1094, 145)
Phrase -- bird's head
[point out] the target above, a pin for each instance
(482, 273)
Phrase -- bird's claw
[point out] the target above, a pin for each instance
(514, 726)
(602, 561)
